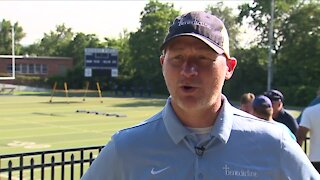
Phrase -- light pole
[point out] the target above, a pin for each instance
(13, 54)
(270, 47)
(13, 63)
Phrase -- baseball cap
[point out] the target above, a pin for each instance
(274, 95)
(261, 102)
(202, 25)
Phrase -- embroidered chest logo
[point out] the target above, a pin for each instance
(239, 172)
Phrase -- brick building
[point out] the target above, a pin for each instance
(41, 66)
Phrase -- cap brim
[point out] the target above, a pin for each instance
(215, 47)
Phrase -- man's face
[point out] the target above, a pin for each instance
(276, 106)
(194, 73)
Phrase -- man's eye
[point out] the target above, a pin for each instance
(205, 59)
(176, 59)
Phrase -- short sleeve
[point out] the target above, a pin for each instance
(106, 165)
(305, 119)
(294, 162)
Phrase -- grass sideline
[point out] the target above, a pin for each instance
(30, 123)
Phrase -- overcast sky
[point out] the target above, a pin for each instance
(104, 18)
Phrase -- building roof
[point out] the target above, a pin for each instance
(35, 57)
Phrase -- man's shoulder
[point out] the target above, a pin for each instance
(246, 117)
(315, 101)
(313, 108)
(145, 124)
(249, 124)
(240, 113)
(284, 114)
(242, 118)
(144, 129)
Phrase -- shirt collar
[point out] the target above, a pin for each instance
(221, 129)
(173, 125)
(224, 121)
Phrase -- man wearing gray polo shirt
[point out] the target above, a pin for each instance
(198, 134)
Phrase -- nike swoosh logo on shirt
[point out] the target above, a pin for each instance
(154, 172)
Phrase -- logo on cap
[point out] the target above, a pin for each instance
(204, 26)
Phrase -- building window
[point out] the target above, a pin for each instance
(18, 68)
(44, 69)
(9, 68)
(24, 68)
(31, 68)
(38, 69)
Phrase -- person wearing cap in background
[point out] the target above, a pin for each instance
(279, 113)
(262, 108)
(310, 121)
(198, 134)
(246, 102)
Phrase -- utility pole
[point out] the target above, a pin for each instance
(270, 47)
(13, 54)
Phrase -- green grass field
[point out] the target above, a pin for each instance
(31, 123)
(28, 123)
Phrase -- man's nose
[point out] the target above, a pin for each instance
(189, 69)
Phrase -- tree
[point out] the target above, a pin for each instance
(295, 62)
(75, 49)
(6, 37)
(298, 63)
(260, 13)
(122, 44)
(144, 44)
(250, 68)
(76, 46)
(54, 43)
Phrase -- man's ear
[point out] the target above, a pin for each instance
(161, 59)
(231, 63)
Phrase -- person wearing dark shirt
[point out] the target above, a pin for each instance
(279, 113)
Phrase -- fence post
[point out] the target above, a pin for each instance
(21, 167)
(10, 170)
(52, 168)
(31, 168)
(81, 163)
(72, 164)
(42, 166)
(0, 168)
(90, 158)
(62, 165)
(38, 166)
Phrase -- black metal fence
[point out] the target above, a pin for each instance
(306, 144)
(46, 164)
(51, 164)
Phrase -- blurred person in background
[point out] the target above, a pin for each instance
(310, 122)
(279, 113)
(315, 101)
(262, 108)
(246, 102)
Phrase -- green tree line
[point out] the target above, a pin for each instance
(296, 48)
